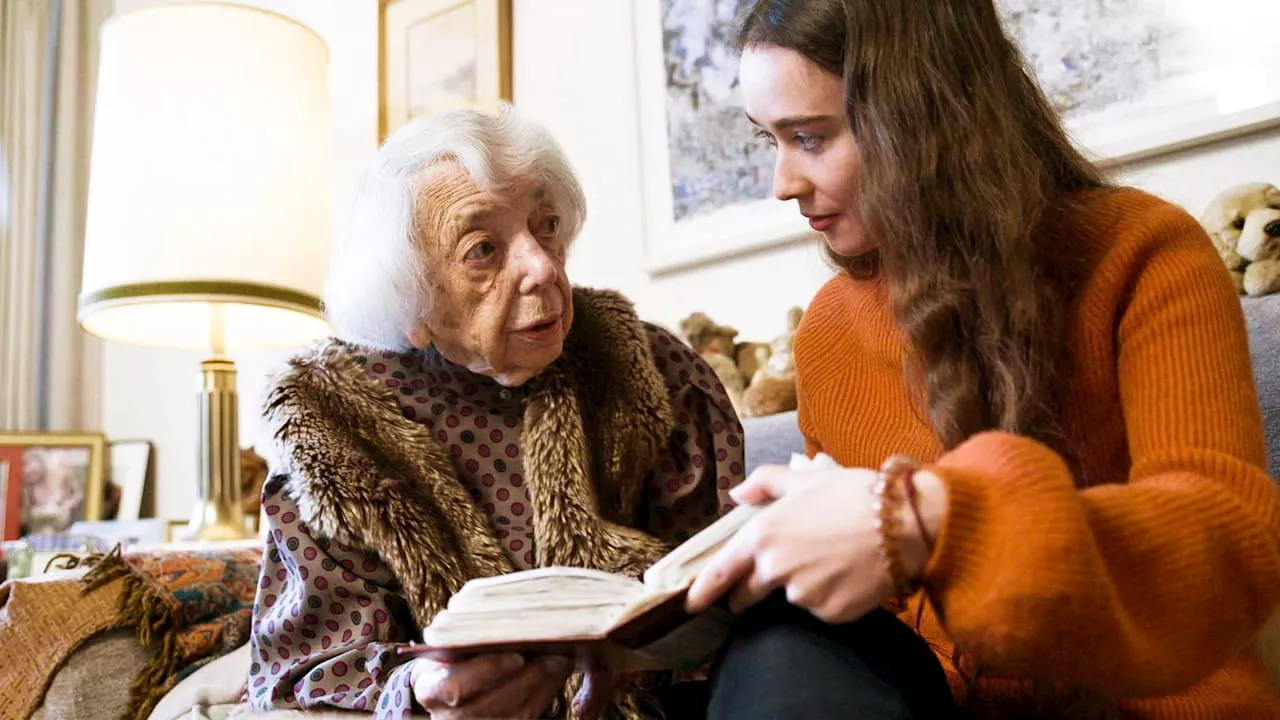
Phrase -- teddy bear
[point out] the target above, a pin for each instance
(253, 474)
(714, 343)
(1244, 224)
(773, 387)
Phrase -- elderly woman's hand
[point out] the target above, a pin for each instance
(488, 686)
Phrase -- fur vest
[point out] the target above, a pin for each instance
(361, 473)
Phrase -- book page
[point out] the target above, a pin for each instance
(680, 566)
(545, 588)
(533, 605)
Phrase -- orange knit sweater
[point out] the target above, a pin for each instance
(1144, 581)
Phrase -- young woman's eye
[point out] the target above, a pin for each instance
(480, 251)
(808, 142)
(765, 136)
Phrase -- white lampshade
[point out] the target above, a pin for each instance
(209, 200)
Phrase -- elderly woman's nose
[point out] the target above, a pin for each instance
(535, 264)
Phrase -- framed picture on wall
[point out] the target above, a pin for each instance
(441, 54)
(55, 479)
(1136, 79)
(1132, 79)
(707, 178)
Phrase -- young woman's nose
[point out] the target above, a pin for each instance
(789, 183)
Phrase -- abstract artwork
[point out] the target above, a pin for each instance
(716, 159)
(1131, 79)
(1136, 78)
(708, 178)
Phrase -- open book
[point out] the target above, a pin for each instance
(605, 619)
(602, 619)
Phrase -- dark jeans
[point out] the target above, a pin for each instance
(781, 662)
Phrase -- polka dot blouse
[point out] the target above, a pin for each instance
(329, 617)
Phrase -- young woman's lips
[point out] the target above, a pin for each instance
(822, 223)
(541, 332)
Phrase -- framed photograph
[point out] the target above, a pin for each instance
(174, 530)
(707, 178)
(1139, 78)
(59, 479)
(441, 54)
(130, 463)
(10, 494)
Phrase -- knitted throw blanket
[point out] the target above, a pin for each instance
(196, 605)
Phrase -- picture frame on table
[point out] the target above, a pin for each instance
(442, 54)
(130, 469)
(50, 481)
(174, 530)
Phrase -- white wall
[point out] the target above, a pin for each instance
(574, 72)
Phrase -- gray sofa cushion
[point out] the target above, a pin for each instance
(770, 440)
(1263, 318)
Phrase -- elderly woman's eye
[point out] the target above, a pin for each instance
(480, 250)
(550, 225)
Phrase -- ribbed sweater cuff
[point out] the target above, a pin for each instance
(985, 467)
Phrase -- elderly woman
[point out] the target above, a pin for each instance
(476, 414)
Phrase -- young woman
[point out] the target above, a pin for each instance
(1056, 370)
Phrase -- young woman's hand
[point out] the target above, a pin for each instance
(819, 541)
(488, 686)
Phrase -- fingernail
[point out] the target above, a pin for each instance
(511, 663)
(556, 665)
(450, 695)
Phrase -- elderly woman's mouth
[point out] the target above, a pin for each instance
(541, 330)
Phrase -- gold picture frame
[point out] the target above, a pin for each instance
(442, 54)
(55, 479)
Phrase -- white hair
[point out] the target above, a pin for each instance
(377, 290)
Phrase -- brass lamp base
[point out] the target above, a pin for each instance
(218, 514)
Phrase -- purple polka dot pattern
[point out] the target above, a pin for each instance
(314, 660)
(326, 623)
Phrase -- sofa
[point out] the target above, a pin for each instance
(94, 680)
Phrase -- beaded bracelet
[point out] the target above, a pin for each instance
(888, 491)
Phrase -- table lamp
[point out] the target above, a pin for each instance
(209, 203)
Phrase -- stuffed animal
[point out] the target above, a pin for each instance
(751, 356)
(1244, 224)
(773, 388)
(253, 474)
(714, 343)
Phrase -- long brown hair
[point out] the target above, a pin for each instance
(964, 165)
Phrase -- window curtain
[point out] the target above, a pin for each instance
(49, 369)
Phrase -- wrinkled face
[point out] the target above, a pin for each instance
(799, 107)
(501, 303)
